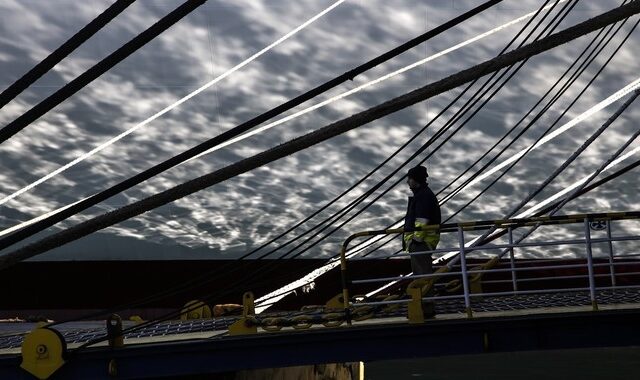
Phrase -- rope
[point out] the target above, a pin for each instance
(487, 236)
(593, 175)
(457, 116)
(158, 114)
(88, 202)
(98, 69)
(310, 139)
(63, 51)
(590, 58)
(534, 145)
(349, 75)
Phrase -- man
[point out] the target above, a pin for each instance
(423, 209)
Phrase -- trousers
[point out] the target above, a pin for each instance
(421, 264)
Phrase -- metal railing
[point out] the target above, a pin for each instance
(458, 254)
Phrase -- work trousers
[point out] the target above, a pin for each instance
(421, 264)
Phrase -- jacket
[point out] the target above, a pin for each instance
(422, 209)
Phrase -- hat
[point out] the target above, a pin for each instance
(419, 173)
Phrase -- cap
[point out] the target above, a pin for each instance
(419, 173)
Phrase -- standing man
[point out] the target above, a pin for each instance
(423, 209)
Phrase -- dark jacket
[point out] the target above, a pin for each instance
(422, 209)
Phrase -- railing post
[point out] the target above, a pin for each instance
(592, 282)
(465, 279)
(612, 269)
(512, 260)
(345, 283)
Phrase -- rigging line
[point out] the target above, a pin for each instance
(380, 165)
(577, 189)
(433, 31)
(572, 79)
(365, 85)
(98, 69)
(424, 147)
(329, 266)
(576, 153)
(603, 166)
(315, 137)
(63, 51)
(535, 211)
(588, 178)
(546, 133)
(545, 206)
(613, 54)
(491, 231)
(598, 107)
(57, 215)
(169, 107)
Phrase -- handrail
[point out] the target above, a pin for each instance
(509, 224)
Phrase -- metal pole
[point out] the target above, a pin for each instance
(592, 282)
(612, 270)
(512, 260)
(345, 283)
(465, 279)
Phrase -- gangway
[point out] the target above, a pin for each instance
(586, 293)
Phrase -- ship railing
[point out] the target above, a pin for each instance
(578, 247)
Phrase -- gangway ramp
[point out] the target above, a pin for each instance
(598, 307)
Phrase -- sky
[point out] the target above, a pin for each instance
(233, 217)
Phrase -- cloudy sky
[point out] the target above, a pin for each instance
(233, 217)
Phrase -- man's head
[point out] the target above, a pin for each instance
(417, 177)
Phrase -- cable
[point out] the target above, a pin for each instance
(544, 211)
(330, 265)
(535, 212)
(586, 49)
(365, 85)
(63, 51)
(545, 136)
(350, 75)
(111, 141)
(571, 80)
(98, 69)
(582, 184)
(67, 211)
(318, 136)
(443, 130)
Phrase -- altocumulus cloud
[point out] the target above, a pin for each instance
(237, 215)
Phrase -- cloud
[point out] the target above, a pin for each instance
(231, 218)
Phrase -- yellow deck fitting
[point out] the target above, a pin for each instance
(337, 302)
(137, 319)
(195, 310)
(243, 326)
(415, 313)
(43, 352)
